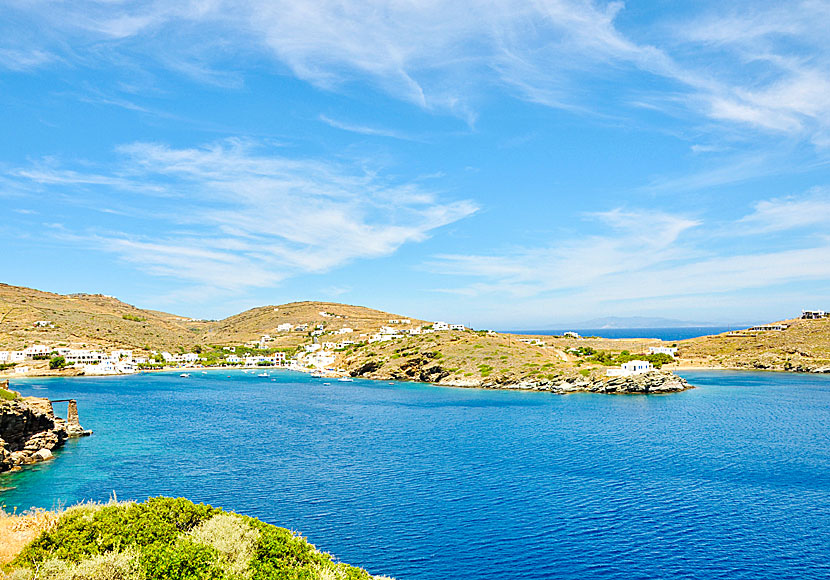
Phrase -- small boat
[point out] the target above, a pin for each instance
(185, 375)
(327, 383)
(346, 379)
(262, 375)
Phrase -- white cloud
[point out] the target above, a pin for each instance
(362, 129)
(649, 255)
(228, 215)
(790, 212)
(761, 66)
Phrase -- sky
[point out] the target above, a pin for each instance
(503, 164)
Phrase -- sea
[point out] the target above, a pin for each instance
(668, 334)
(730, 480)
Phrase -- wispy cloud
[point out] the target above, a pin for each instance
(232, 216)
(791, 212)
(364, 130)
(766, 65)
(643, 255)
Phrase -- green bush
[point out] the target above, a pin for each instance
(133, 318)
(171, 539)
(57, 362)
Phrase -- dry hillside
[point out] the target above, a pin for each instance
(87, 319)
(803, 346)
(95, 320)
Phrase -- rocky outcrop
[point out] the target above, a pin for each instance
(29, 431)
(654, 382)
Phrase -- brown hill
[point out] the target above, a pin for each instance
(803, 346)
(87, 319)
(102, 321)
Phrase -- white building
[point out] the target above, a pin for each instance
(671, 351)
(457, 327)
(440, 326)
(344, 330)
(532, 341)
(285, 327)
(190, 357)
(809, 314)
(83, 357)
(233, 359)
(4, 356)
(634, 367)
(36, 350)
(44, 324)
(766, 327)
(318, 359)
(312, 347)
(571, 334)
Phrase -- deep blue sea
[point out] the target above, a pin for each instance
(727, 481)
(672, 333)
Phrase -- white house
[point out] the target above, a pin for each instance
(532, 341)
(457, 327)
(190, 357)
(319, 359)
(766, 327)
(285, 327)
(570, 334)
(669, 350)
(344, 330)
(440, 326)
(233, 359)
(43, 324)
(17, 356)
(634, 367)
(36, 350)
(4, 356)
(312, 347)
(809, 314)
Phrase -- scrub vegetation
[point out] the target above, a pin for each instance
(172, 539)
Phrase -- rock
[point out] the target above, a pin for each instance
(43, 455)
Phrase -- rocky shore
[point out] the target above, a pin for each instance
(654, 382)
(30, 431)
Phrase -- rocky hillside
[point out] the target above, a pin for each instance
(804, 346)
(499, 361)
(95, 320)
(29, 430)
(87, 319)
(253, 323)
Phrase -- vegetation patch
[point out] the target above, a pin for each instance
(133, 318)
(171, 539)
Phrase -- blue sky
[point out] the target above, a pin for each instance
(507, 164)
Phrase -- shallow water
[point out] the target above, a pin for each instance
(730, 480)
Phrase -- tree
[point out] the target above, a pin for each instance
(57, 362)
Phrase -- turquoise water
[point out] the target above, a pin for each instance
(730, 480)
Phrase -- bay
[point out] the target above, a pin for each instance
(729, 480)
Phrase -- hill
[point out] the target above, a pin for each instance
(95, 320)
(804, 346)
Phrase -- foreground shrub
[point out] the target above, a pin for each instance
(171, 539)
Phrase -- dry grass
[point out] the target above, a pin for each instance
(17, 530)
